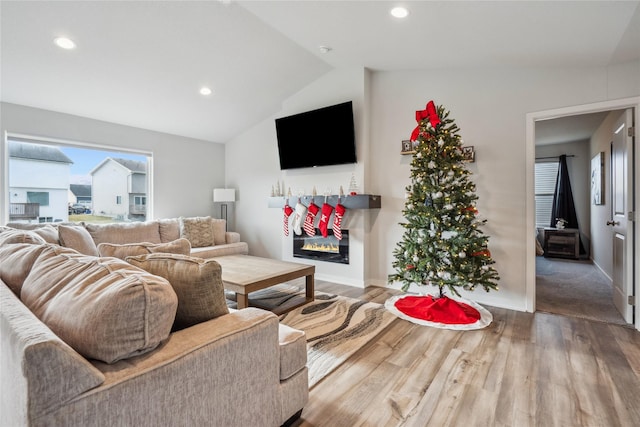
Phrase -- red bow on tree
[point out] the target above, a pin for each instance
(430, 113)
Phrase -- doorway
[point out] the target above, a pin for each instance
(532, 120)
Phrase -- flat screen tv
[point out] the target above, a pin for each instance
(321, 137)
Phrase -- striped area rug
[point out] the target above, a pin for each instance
(336, 326)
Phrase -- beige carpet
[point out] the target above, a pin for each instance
(574, 288)
(336, 326)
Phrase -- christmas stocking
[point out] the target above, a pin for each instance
(298, 218)
(324, 219)
(337, 221)
(287, 211)
(308, 226)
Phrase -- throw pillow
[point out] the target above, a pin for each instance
(219, 230)
(48, 233)
(198, 230)
(78, 238)
(17, 260)
(179, 246)
(10, 235)
(196, 281)
(104, 308)
(169, 229)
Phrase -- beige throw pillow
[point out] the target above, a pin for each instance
(179, 246)
(196, 281)
(198, 230)
(219, 230)
(17, 260)
(11, 235)
(104, 308)
(48, 233)
(78, 238)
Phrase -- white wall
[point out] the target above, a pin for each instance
(185, 170)
(254, 168)
(490, 106)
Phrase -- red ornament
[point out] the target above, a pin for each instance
(410, 267)
(484, 252)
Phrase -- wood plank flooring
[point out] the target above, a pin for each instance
(523, 370)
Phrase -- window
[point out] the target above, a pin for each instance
(39, 197)
(48, 179)
(546, 175)
(139, 201)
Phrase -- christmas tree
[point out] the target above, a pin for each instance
(442, 244)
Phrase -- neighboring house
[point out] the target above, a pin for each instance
(38, 183)
(119, 189)
(81, 193)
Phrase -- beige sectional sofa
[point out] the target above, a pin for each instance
(218, 242)
(97, 341)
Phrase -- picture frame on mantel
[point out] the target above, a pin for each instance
(407, 147)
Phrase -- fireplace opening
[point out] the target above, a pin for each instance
(320, 248)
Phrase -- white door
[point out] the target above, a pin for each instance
(621, 206)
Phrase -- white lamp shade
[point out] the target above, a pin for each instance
(224, 195)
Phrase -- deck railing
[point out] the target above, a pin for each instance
(24, 210)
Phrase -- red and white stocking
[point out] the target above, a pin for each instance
(324, 219)
(287, 211)
(298, 218)
(308, 226)
(337, 221)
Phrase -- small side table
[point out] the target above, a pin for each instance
(562, 243)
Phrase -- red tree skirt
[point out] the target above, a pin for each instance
(445, 312)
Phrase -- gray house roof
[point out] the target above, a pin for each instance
(22, 150)
(133, 166)
(80, 190)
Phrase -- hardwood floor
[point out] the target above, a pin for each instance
(523, 370)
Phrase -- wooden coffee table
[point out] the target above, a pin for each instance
(244, 274)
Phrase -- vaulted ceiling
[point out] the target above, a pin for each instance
(142, 63)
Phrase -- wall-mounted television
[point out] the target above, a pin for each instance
(321, 137)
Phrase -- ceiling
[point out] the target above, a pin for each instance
(141, 63)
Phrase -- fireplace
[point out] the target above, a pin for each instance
(320, 248)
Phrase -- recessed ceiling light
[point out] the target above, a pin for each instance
(399, 12)
(205, 91)
(324, 49)
(64, 42)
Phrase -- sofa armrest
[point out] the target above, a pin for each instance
(225, 371)
(38, 371)
(231, 237)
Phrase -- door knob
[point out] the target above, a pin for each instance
(613, 223)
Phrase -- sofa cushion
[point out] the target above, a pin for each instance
(197, 282)
(293, 351)
(179, 246)
(16, 261)
(125, 232)
(198, 230)
(78, 238)
(104, 308)
(11, 235)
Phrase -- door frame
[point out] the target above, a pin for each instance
(530, 158)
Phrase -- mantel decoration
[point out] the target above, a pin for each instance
(442, 245)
